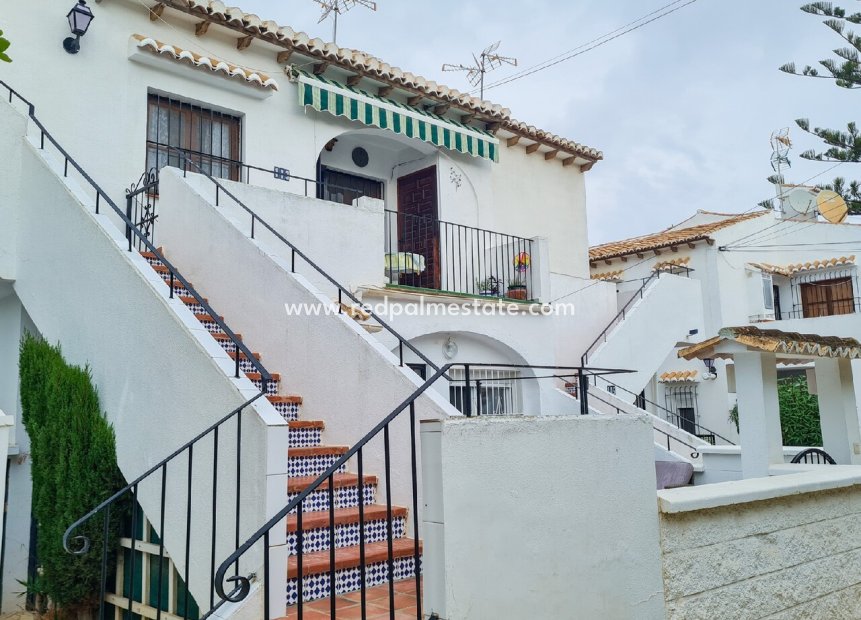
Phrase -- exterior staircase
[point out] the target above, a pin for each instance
(308, 457)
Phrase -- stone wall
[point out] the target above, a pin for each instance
(780, 547)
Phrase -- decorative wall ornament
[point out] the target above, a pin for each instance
(456, 178)
(449, 349)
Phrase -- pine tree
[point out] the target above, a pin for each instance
(845, 71)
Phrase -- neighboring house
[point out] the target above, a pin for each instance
(399, 188)
(757, 268)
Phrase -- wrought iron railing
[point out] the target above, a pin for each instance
(670, 438)
(423, 252)
(137, 238)
(236, 587)
(637, 296)
(672, 417)
(344, 294)
(239, 171)
(836, 307)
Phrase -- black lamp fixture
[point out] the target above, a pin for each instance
(710, 364)
(79, 20)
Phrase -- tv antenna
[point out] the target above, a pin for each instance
(780, 146)
(338, 7)
(485, 62)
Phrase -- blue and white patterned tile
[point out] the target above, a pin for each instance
(346, 535)
(315, 587)
(289, 411)
(299, 466)
(304, 437)
(345, 497)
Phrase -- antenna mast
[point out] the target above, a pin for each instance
(780, 145)
(489, 60)
(337, 7)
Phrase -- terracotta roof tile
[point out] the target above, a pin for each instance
(207, 63)
(372, 67)
(776, 341)
(678, 376)
(789, 270)
(667, 238)
(669, 264)
(609, 276)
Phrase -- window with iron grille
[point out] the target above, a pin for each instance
(211, 139)
(680, 402)
(498, 390)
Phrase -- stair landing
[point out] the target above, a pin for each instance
(377, 606)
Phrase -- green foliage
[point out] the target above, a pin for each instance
(845, 71)
(799, 413)
(4, 45)
(74, 468)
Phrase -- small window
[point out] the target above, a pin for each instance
(827, 297)
(768, 292)
(344, 188)
(493, 391)
(212, 139)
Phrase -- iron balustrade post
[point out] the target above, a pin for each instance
(105, 555)
(266, 615)
(361, 492)
(467, 403)
(188, 529)
(161, 542)
(416, 547)
(389, 533)
(214, 514)
(584, 392)
(129, 220)
(332, 570)
(478, 398)
(300, 551)
(401, 353)
(132, 553)
(238, 481)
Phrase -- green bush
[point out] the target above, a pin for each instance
(799, 413)
(74, 468)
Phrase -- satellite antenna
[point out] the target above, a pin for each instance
(780, 145)
(800, 203)
(487, 61)
(832, 206)
(337, 7)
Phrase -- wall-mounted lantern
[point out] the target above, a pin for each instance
(79, 21)
(710, 365)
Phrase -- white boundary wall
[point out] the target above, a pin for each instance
(544, 517)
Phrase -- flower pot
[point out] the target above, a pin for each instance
(517, 292)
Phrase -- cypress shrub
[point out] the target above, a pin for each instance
(74, 468)
(799, 413)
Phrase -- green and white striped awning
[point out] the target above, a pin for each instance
(358, 105)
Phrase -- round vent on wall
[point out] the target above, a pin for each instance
(360, 157)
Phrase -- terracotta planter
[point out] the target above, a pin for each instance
(517, 292)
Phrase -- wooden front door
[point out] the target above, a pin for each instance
(418, 225)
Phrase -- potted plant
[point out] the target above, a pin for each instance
(488, 287)
(516, 289)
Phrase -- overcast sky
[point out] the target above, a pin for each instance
(682, 108)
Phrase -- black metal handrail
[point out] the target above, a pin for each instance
(242, 583)
(133, 231)
(620, 316)
(839, 307)
(694, 452)
(296, 252)
(280, 174)
(459, 258)
(668, 413)
(130, 491)
(240, 350)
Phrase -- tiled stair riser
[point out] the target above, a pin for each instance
(346, 535)
(348, 580)
(345, 497)
(305, 437)
(271, 387)
(311, 465)
(289, 411)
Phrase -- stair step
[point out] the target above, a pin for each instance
(315, 528)
(192, 304)
(304, 434)
(346, 491)
(287, 406)
(257, 379)
(315, 569)
(314, 460)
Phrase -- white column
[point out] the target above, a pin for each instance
(759, 412)
(838, 414)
